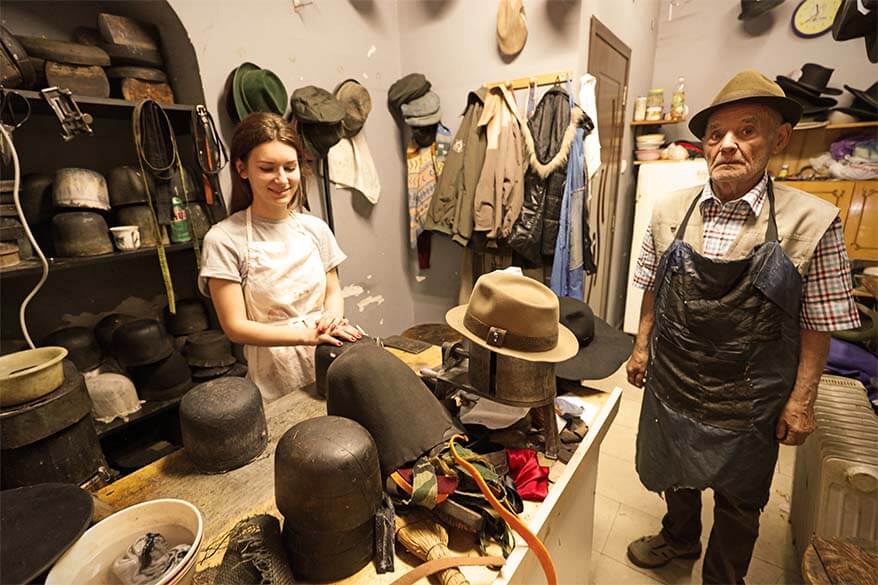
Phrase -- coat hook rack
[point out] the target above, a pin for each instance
(538, 80)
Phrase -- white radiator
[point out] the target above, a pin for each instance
(835, 484)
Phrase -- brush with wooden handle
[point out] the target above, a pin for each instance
(427, 539)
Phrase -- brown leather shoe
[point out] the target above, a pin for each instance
(654, 551)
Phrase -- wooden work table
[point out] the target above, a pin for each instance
(563, 521)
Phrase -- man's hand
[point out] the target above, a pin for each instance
(636, 366)
(796, 422)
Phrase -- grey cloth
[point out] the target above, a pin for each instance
(224, 250)
(148, 559)
(451, 209)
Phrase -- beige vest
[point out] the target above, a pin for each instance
(802, 219)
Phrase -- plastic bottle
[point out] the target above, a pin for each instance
(678, 101)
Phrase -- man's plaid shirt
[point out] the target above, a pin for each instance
(827, 302)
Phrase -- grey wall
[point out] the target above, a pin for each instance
(323, 44)
(726, 45)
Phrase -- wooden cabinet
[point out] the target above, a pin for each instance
(858, 205)
(861, 228)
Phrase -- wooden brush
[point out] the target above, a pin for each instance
(427, 539)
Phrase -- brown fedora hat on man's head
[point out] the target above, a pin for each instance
(514, 316)
(748, 86)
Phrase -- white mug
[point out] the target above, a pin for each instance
(126, 237)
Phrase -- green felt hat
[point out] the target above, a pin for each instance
(257, 90)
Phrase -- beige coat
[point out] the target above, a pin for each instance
(500, 190)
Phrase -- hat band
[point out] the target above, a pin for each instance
(497, 337)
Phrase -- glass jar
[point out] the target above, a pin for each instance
(655, 104)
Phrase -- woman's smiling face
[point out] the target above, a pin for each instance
(272, 170)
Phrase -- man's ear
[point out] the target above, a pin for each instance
(784, 133)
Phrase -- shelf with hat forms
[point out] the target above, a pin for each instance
(147, 410)
(103, 108)
(32, 266)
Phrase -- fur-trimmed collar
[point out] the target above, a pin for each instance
(543, 170)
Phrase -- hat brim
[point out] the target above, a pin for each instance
(863, 96)
(789, 109)
(421, 121)
(565, 349)
(806, 91)
(757, 10)
(608, 349)
(863, 115)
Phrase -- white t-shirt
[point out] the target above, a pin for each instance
(224, 251)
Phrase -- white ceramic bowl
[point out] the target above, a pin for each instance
(647, 155)
(90, 559)
(650, 138)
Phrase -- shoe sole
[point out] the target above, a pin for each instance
(637, 562)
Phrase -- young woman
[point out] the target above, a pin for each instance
(271, 269)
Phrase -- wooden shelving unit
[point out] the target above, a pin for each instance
(637, 123)
(33, 266)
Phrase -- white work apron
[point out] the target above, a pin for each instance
(285, 286)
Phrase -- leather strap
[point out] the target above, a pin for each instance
(496, 337)
(445, 563)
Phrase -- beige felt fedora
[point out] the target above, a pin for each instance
(514, 316)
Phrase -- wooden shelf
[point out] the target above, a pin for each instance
(660, 161)
(852, 125)
(147, 410)
(655, 122)
(33, 266)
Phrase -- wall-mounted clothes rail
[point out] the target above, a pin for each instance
(534, 80)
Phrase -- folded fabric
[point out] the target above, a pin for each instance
(351, 166)
(490, 414)
(531, 479)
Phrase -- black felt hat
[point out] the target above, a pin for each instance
(754, 8)
(602, 348)
(813, 81)
(370, 385)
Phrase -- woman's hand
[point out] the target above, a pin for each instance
(345, 332)
(329, 321)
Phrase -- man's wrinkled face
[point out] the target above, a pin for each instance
(739, 140)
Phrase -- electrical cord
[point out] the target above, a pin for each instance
(45, 263)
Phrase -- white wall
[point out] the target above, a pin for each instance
(710, 30)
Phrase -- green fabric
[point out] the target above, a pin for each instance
(425, 485)
(237, 93)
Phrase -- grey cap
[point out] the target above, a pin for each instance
(422, 111)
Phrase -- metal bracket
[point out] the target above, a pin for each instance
(73, 121)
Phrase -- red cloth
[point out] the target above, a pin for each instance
(531, 479)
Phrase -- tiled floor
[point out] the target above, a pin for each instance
(625, 510)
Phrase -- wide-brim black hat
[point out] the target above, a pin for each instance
(804, 97)
(850, 23)
(754, 8)
(868, 97)
(602, 348)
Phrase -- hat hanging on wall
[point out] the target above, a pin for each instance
(511, 27)
(255, 90)
(854, 19)
(320, 118)
(406, 89)
(755, 8)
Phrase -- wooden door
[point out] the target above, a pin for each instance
(608, 62)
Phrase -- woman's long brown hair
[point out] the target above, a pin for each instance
(259, 128)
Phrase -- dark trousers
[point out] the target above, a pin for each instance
(734, 532)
